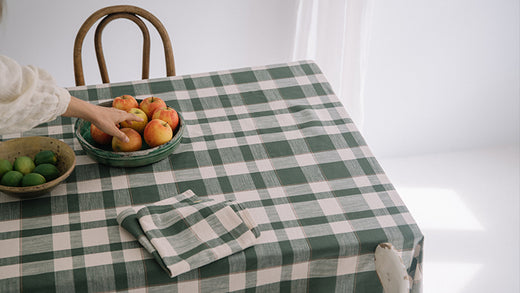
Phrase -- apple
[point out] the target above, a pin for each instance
(167, 114)
(157, 132)
(125, 103)
(99, 136)
(136, 125)
(150, 104)
(134, 144)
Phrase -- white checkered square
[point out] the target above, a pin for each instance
(203, 231)
(318, 187)
(240, 110)
(207, 172)
(330, 206)
(226, 143)
(373, 201)
(276, 192)
(267, 236)
(220, 127)
(259, 215)
(89, 186)
(253, 139)
(264, 165)
(294, 233)
(10, 271)
(285, 120)
(163, 177)
(237, 281)
(199, 146)
(323, 114)
(236, 168)
(212, 113)
(222, 250)
(346, 154)
(302, 80)
(55, 129)
(10, 247)
(188, 286)
(331, 129)
(92, 216)
(386, 221)
(268, 276)
(182, 95)
(305, 159)
(207, 92)
(165, 247)
(231, 89)
(247, 124)
(63, 264)
(267, 84)
(96, 236)
(132, 254)
(347, 265)
(293, 134)
(277, 105)
(98, 259)
(362, 181)
(341, 227)
(285, 212)
(228, 218)
(12, 225)
(61, 241)
(300, 271)
(59, 190)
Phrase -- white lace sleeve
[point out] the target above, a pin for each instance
(28, 96)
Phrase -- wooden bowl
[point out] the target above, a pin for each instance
(30, 146)
(145, 156)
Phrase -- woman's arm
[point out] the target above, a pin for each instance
(105, 118)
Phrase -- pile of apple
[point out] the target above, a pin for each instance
(159, 123)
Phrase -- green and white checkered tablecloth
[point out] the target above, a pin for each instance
(274, 139)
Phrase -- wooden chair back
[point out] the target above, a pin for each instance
(109, 14)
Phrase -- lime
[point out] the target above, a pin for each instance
(5, 166)
(49, 171)
(11, 178)
(33, 179)
(24, 164)
(45, 157)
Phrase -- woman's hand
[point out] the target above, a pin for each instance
(105, 118)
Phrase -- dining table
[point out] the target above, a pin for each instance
(275, 139)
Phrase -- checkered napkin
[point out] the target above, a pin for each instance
(185, 232)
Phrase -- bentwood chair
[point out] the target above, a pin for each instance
(108, 14)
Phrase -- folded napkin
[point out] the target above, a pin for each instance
(185, 232)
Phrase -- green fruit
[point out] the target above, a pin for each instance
(33, 179)
(24, 164)
(11, 178)
(5, 166)
(45, 157)
(49, 171)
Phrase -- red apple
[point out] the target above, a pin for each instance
(150, 104)
(125, 103)
(99, 136)
(134, 144)
(136, 125)
(167, 114)
(157, 132)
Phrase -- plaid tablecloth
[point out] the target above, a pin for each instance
(275, 139)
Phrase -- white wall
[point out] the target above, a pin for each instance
(442, 75)
(206, 36)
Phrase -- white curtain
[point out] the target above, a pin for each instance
(335, 34)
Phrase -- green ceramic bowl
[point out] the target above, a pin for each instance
(145, 156)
